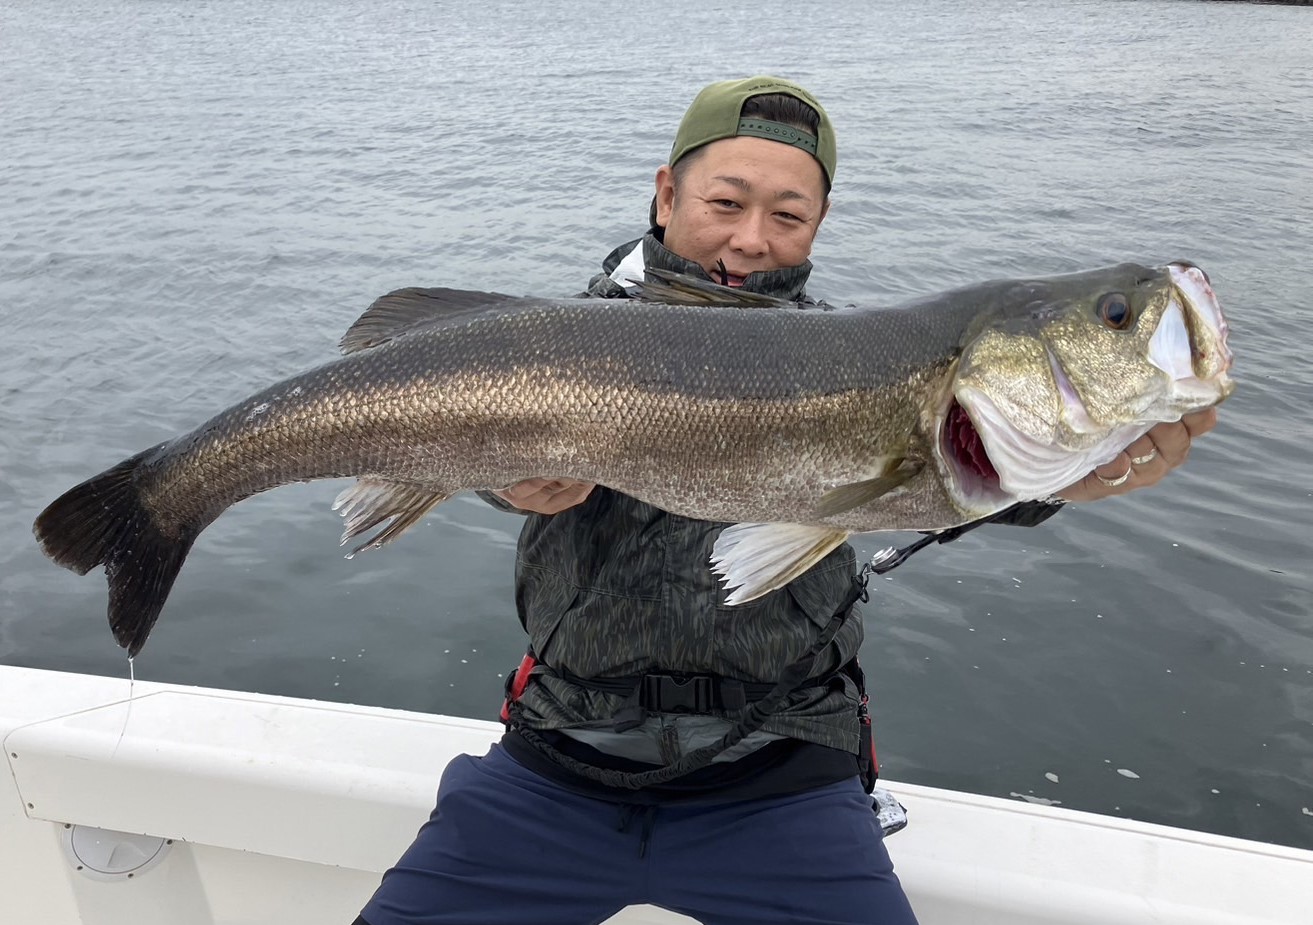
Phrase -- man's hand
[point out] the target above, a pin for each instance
(545, 496)
(1145, 461)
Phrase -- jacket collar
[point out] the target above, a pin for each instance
(786, 283)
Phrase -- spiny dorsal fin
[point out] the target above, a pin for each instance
(372, 501)
(405, 310)
(847, 497)
(682, 289)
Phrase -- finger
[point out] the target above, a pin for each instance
(556, 486)
(1116, 468)
(1199, 423)
(1143, 452)
(1146, 461)
(544, 495)
(520, 491)
(575, 493)
(1172, 440)
(567, 497)
(1112, 478)
(1090, 488)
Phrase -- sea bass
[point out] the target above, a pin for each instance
(799, 427)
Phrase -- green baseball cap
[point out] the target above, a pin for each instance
(716, 113)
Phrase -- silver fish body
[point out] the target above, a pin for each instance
(802, 427)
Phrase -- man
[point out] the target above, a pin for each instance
(626, 775)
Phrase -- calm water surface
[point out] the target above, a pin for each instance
(198, 198)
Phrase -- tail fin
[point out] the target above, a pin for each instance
(103, 522)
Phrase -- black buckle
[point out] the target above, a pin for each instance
(667, 693)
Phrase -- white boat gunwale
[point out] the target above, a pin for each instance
(314, 799)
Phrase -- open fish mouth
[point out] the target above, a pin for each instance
(1012, 464)
(987, 455)
(971, 472)
(1190, 343)
(986, 472)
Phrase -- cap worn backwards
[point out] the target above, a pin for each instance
(716, 113)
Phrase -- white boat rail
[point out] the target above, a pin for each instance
(192, 806)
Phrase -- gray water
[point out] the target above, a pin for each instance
(198, 198)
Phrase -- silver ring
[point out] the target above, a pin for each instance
(1141, 460)
(1120, 480)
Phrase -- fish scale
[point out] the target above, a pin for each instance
(799, 426)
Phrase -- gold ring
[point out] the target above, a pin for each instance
(1120, 480)
(1141, 460)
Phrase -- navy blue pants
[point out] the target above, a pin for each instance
(504, 845)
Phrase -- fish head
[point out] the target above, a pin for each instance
(1060, 375)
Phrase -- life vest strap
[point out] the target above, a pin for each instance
(749, 720)
(684, 692)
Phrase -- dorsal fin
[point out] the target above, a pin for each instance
(405, 310)
(682, 289)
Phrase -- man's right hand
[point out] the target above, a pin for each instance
(545, 496)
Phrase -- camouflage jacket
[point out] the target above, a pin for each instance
(615, 587)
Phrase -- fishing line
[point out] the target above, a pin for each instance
(132, 683)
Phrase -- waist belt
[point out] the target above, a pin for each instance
(660, 692)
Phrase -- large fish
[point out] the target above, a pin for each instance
(800, 427)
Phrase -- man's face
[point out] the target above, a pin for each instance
(753, 203)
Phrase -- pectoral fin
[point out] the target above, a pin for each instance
(854, 495)
(754, 559)
(371, 502)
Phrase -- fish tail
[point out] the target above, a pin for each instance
(104, 521)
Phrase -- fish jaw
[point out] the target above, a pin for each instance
(1030, 468)
(1183, 368)
(1190, 344)
(1018, 465)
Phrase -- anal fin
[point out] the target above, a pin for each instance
(371, 502)
(755, 559)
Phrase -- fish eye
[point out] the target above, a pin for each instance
(1115, 311)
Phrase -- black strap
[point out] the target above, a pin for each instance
(1023, 513)
(751, 720)
(682, 692)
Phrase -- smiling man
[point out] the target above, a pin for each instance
(625, 776)
(746, 204)
(744, 192)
